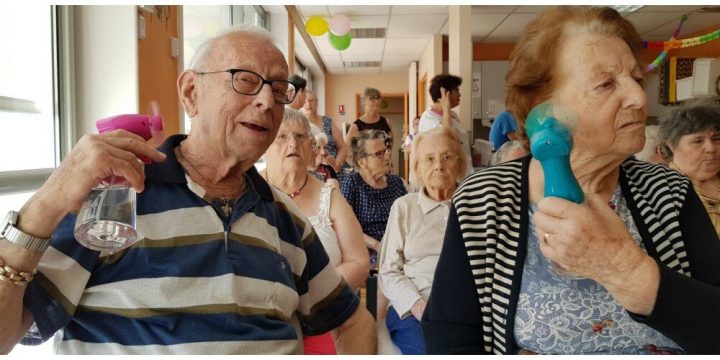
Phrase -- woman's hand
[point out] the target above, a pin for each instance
(444, 100)
(590, 240)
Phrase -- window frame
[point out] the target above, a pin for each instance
(61, 26)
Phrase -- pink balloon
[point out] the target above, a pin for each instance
(339, 25)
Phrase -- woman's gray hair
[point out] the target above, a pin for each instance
(691, 118)
(499, 156)
(203, 52)
(321, 137)
(295, 116)
(415, 178)
(357, 144)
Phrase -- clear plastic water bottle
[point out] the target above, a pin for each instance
(106, 221)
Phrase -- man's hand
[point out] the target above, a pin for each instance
(418, 308)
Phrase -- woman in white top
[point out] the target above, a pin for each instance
(445, 93)
(332, 218)
(415, 232)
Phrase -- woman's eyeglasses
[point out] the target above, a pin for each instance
(380, 154)
(282, 138)
(445, 159)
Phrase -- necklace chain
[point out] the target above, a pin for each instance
(226, 204)
(293, 194)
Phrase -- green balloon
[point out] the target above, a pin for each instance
(339, 42)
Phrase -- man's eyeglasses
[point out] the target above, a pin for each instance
(282, 138)
(380, 154)
(445, 159)
(374, 98)
(246, 82)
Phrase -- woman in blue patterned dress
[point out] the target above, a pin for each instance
(371, 190)
(336, 146)
(641, 243)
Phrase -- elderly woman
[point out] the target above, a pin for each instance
(690, 137)
(641, 240)
(331, 216)
(414, 235)
(652, 152)
(335, 145)
(508, 151)
(445, 93)
(371, 118)
(371, 190)
(319, 164)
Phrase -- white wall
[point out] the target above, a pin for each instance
(279, 31)
(412, 93)
(106, 63)
(430, 63)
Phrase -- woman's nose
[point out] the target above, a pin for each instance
(635, 98)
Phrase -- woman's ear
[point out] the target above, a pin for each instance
(187, 91)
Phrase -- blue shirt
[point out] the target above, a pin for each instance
(197, 282)
(503, 124)
(372, 206)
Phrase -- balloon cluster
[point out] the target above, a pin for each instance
(674, 43)
(339, 26)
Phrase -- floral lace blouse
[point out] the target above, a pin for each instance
(556, 315)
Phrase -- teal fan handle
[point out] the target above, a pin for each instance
(550, 143)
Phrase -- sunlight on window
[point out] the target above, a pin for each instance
(26, 87)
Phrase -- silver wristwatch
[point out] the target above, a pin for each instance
(9, 232)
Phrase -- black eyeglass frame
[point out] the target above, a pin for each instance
(262, 79)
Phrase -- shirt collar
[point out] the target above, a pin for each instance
(170, 170)
(427, 204)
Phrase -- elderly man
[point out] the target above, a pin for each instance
(225, 264)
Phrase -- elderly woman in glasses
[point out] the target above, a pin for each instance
(371, 190)
(414, 235)
(690, 137)
(332, 218)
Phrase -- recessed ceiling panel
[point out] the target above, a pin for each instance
(402, 46)
(419, 9)
(365, 46)
(415, 25)
(354, 10)
(482, 24)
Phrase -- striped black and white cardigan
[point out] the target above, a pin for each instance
(491, 208)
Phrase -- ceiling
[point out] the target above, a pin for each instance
(409, 29)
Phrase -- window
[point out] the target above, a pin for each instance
(249, 15)
(32, 127)
(27, 119)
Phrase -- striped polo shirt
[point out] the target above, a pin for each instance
(196, 282)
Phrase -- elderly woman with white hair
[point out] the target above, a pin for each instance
(414, 234)
(332, 218)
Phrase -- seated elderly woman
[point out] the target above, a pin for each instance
(510, 150)
(641, 244)
(691, 142)
(371, 190)
(415, 232)
(319, 164)
(331, 216)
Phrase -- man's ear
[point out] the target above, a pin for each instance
(187, 91)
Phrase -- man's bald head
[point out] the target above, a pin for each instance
(244, 37)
